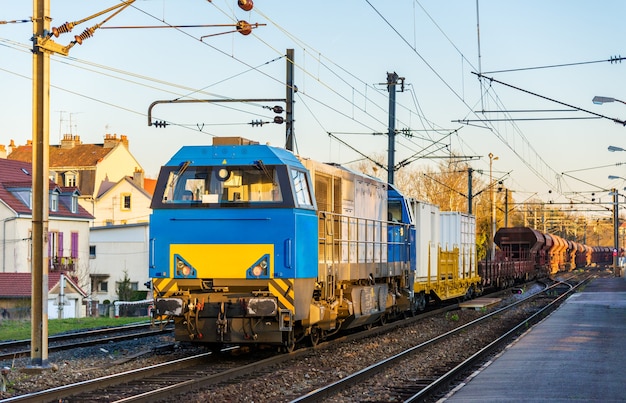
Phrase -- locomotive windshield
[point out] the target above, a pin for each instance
(222, 185)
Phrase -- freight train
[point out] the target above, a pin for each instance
(525, 253)
(251, 244)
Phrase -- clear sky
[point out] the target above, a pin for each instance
(343, 52)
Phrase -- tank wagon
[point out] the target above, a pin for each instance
(251, 244)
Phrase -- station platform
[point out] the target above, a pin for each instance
(578, 353)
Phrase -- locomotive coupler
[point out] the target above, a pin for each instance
(222, 322)
(191, 317)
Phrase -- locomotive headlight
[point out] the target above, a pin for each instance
(223, 174)
(259, 269)
(182, 268)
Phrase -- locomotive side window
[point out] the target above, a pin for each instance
(301, 188)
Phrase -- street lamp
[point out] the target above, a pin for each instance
(603, 100)
(614, 148)
(493, 206)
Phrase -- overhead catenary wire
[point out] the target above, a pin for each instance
(326, 64)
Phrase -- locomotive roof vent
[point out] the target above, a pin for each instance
(232, 141)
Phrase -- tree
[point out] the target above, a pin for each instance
(124, 292)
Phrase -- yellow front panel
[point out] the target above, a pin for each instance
(222, 261)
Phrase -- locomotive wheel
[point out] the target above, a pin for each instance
(289, 345)
(413, 307)
(469, 294)
(421, 301)
(315, 336)
(383, 319)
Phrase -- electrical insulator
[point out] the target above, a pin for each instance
(278, 109)
(245, 5)
(160, 123)
(256, 123)
(279, 120)
(87, 33)
(243, 27)
(67, 27)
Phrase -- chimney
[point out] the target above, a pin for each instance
(69, 141)
(138, 177)
(124, 140)
(11, 146)
(110, 140)
(3, 151)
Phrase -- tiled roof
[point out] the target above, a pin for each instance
(81, 155)
(17, 174)
(15, 285)
(149, 185)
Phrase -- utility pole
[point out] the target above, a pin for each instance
(469, 190)
(43, 46)
(41, 134)
(392, 81)
(615, 231)
(289, 134)
(506, 207)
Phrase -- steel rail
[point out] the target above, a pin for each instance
(491, 347)
(322, 393)
(106, 339)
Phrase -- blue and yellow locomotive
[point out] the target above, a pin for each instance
(250, 244)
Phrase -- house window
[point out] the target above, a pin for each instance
(74, 246)
(103, 286)
(54, 202)
(74, 206)
(70, 179)
(92, 251)
(125, 199)
(55, 249)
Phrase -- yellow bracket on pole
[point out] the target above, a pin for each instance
(51, 46)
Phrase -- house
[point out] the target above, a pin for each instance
(65, 297)
(117, 251)
(114, 191)
(122, 202)
(111, 181)
(68, 226)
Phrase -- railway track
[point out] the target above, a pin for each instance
(20, 348)
(200, 372)
(425, 387)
